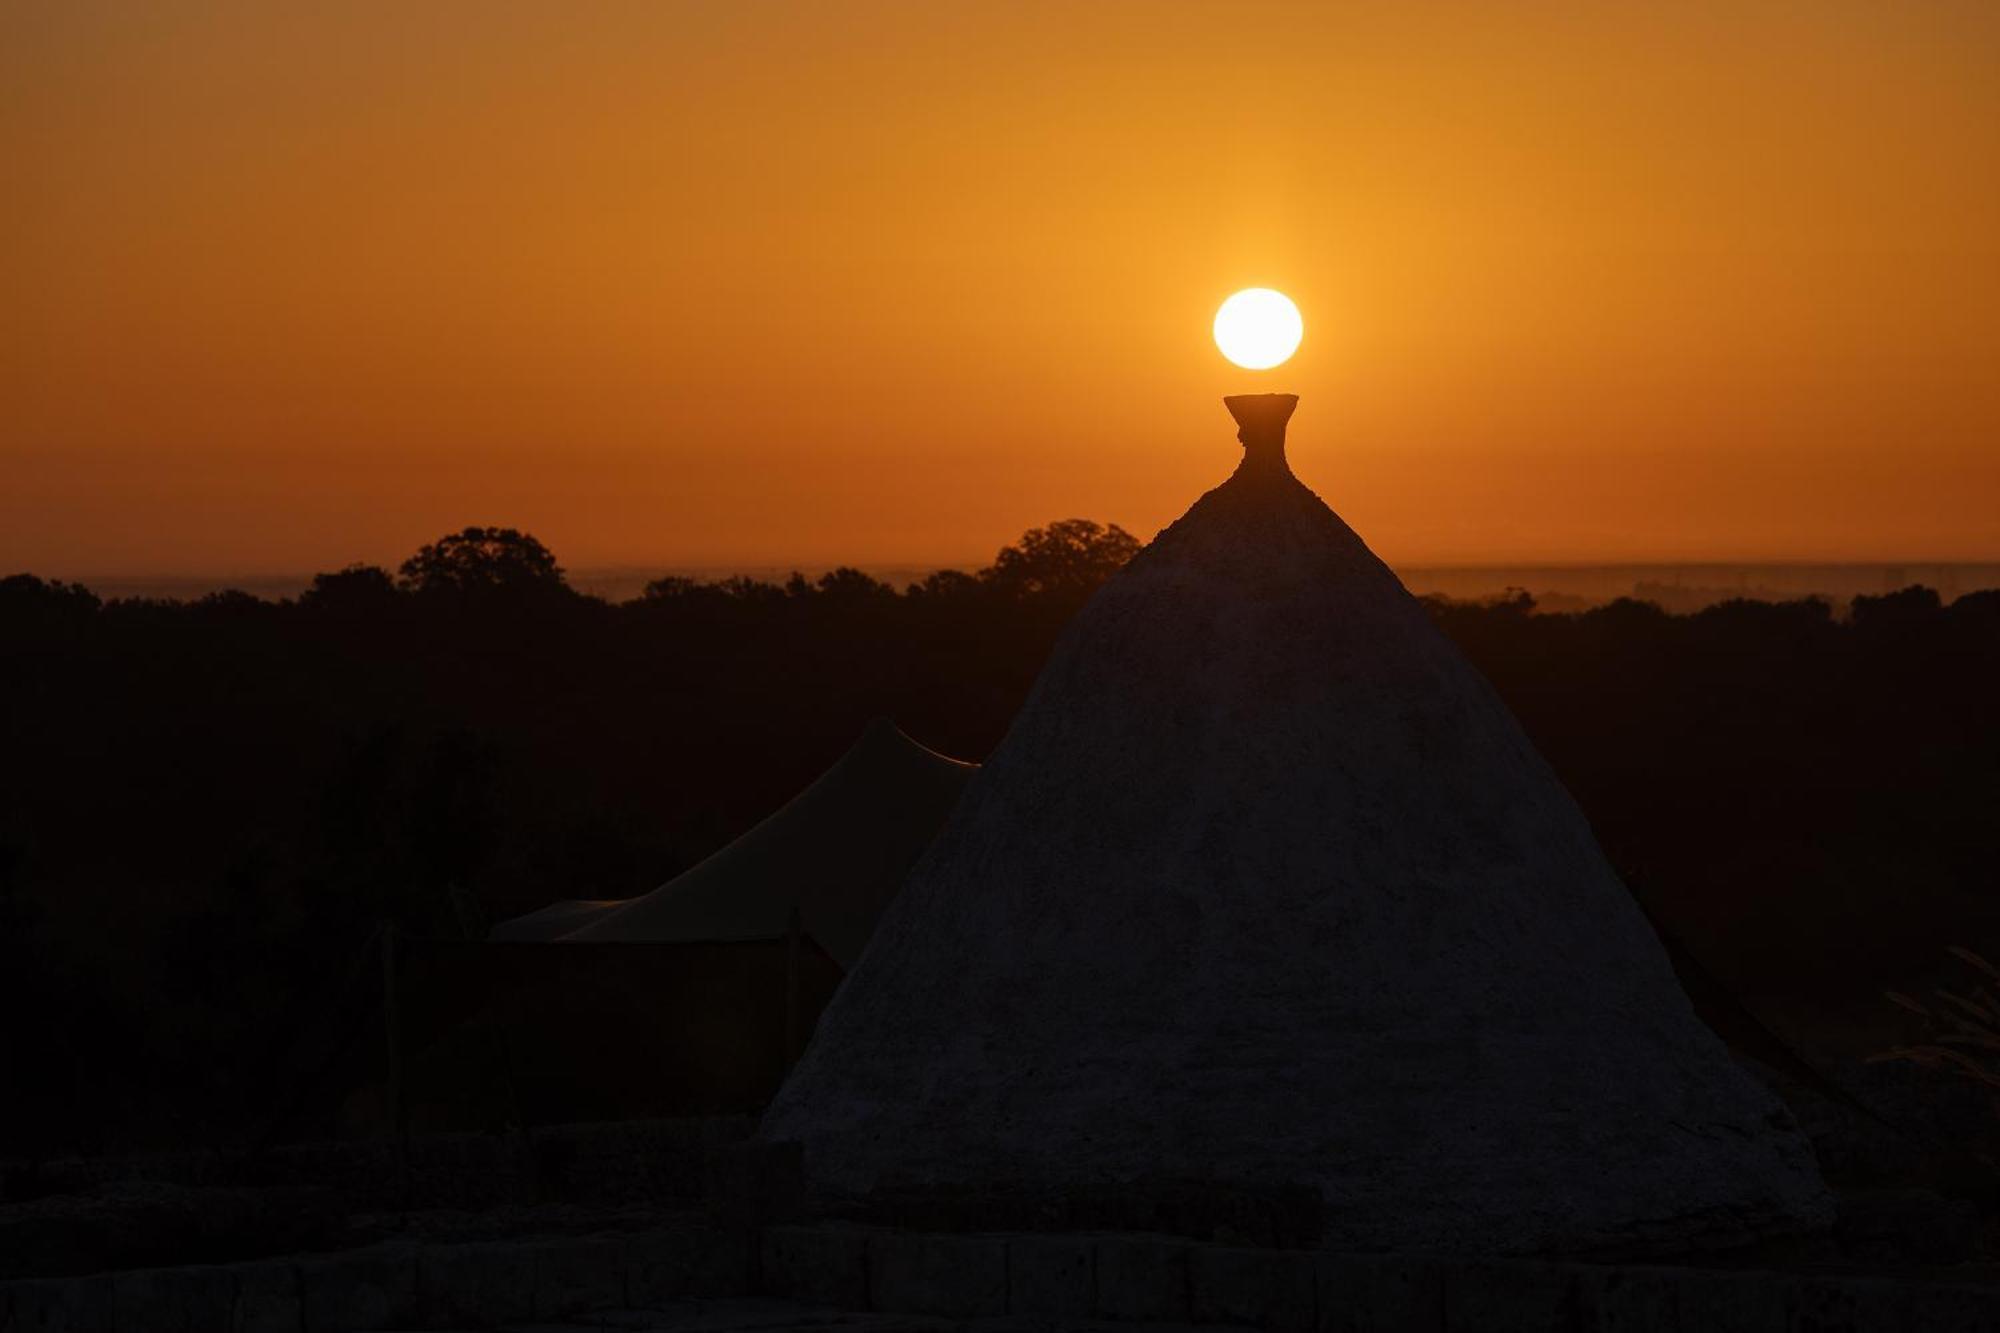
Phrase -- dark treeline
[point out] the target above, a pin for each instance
(207, 807)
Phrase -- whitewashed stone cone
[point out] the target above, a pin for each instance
(1265, 884)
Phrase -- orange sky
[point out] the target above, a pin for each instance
(289, 286)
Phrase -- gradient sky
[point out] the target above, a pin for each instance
(285, 286)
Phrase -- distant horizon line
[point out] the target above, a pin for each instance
(725, 568)
(1560, 583)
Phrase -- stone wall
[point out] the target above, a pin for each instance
(86, 1216)
(433, 1286)
(1155, 1280)
(1047, 1280)
(621, 1161)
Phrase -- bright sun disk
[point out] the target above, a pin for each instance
(1258, 328)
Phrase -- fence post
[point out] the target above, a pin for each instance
(793, 941)
(392, 1024)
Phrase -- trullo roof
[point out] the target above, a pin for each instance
(1266, 885)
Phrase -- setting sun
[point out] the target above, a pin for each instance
(1258, 328)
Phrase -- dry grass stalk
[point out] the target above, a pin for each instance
(1961, 1025)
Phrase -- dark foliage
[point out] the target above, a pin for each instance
(207, 808)
(1068, 557)
(480, 563)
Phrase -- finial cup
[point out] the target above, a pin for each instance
(1260, 420)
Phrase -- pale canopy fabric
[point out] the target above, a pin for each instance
(557, 919)
(838, 852)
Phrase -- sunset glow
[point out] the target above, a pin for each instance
(711, 284)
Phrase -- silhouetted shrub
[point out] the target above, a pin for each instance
(356, 590)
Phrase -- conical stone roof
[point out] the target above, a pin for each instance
(1266, 885)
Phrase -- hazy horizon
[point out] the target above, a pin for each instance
(1678, 586)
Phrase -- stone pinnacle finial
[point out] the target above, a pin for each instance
(1260, 420)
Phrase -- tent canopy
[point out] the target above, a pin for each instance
(838, 852)
(554, 921)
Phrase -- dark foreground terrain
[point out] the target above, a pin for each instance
(207, 808)
(683, 1226)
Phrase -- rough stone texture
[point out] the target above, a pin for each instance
(159, 1224)
(1512, 1297)
(268, 1299)
(1627, 1300)
(1152, 1284)
(575, 1275)
(57, 1305)
(173, 1300)
(1909, 1226)
(660, 1267)
(962, 1276)
(666, 1266)
(819, 1265)
(1128, 1326)
(1732, 1302)
(728, 1263)
(1850, 1306)
(366, 1289)
(1946, 1309)
(284, 1197)
(1261, 1288)
(1202, 1210)
(1379, 1294)
(1050, 1277)
(1142, 1278)
(1265, 877)
(750, 1184)
(474, 1285)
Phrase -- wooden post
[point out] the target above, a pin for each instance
(392, 1030)
(793, 940)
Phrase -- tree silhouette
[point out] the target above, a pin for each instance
(847, 584)
(27, 600)
(1894, 612)
(484, 561)
(354, 589)
(946, 584)
(674, 587)
(1070, 556)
